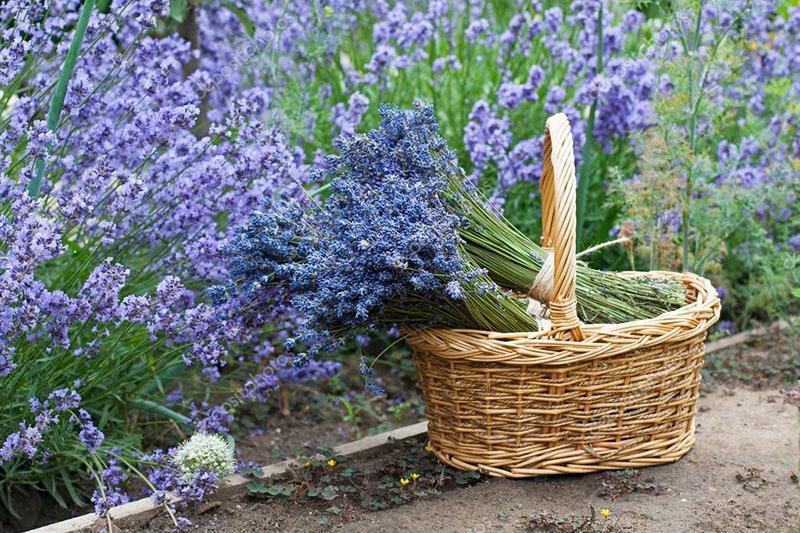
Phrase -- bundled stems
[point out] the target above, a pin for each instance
(513, 261)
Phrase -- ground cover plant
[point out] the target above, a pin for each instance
(136, 135)
(328, 480)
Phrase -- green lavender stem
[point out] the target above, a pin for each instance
(586, 171)
(513, 261)
(57, 103)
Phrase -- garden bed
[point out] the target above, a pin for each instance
(730, 481)
(742, 472)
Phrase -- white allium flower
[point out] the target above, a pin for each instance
(212, 453)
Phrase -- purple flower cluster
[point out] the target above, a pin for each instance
(210, 418)
(60, 409)
(621, 89)
(383, 239)
(155, 158)
(284, 371)
(761, 152)
(165, 479)
(110, 491)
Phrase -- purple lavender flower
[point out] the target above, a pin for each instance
(632, 21)
(510, 95)
(7, 365)
(417, 31)
(64, 399)
(555, 97)
(198, 487)
(532, 84)
(552, 19)
(348, 119)
(726, 327)
(722, 292)
(476, 28)
(210, 419)
(90, 435)
(794, 242)
(441, 64)
(261, 386)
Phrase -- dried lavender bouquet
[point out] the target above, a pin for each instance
(510, 258)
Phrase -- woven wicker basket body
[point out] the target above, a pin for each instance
(575, 399)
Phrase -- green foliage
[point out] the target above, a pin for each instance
(692, 210)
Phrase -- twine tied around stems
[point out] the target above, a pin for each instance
(539, 305)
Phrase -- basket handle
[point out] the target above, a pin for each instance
(558, 222)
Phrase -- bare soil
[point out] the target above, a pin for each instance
(741, 475)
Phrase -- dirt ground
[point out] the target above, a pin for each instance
(708, 490)
(741, 475)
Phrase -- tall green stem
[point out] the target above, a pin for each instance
(57, 103)
(695, 107)
(588, 146)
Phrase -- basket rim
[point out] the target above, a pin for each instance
(602, 340)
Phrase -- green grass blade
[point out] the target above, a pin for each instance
(153, 407)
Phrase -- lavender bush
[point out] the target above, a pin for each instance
(719, 174)
(494, 71)
(103, 260)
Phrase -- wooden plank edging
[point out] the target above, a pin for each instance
(733, 340)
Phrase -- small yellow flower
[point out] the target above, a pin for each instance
(428, 448)
(752, 46)
(328, 11)
(404, 481)
(331, 462)
(307, 464)
(605, 512)
(414, 476)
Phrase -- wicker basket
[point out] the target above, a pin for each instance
(578, 398)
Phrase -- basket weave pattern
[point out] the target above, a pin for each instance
(578, 398)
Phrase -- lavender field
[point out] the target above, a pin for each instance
(222, 217)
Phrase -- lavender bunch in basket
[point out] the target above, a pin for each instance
(511, 258)
(382, 249)
(401, 239)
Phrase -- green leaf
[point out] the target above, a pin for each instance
(50, 485)
(178, 9)
(73, 493)
(279, 489)
(329, 493)
(313, 492)
(241, 14)
(149, 405)
(466, 478)
(256, 487)
(5, 497)
(57, 103)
